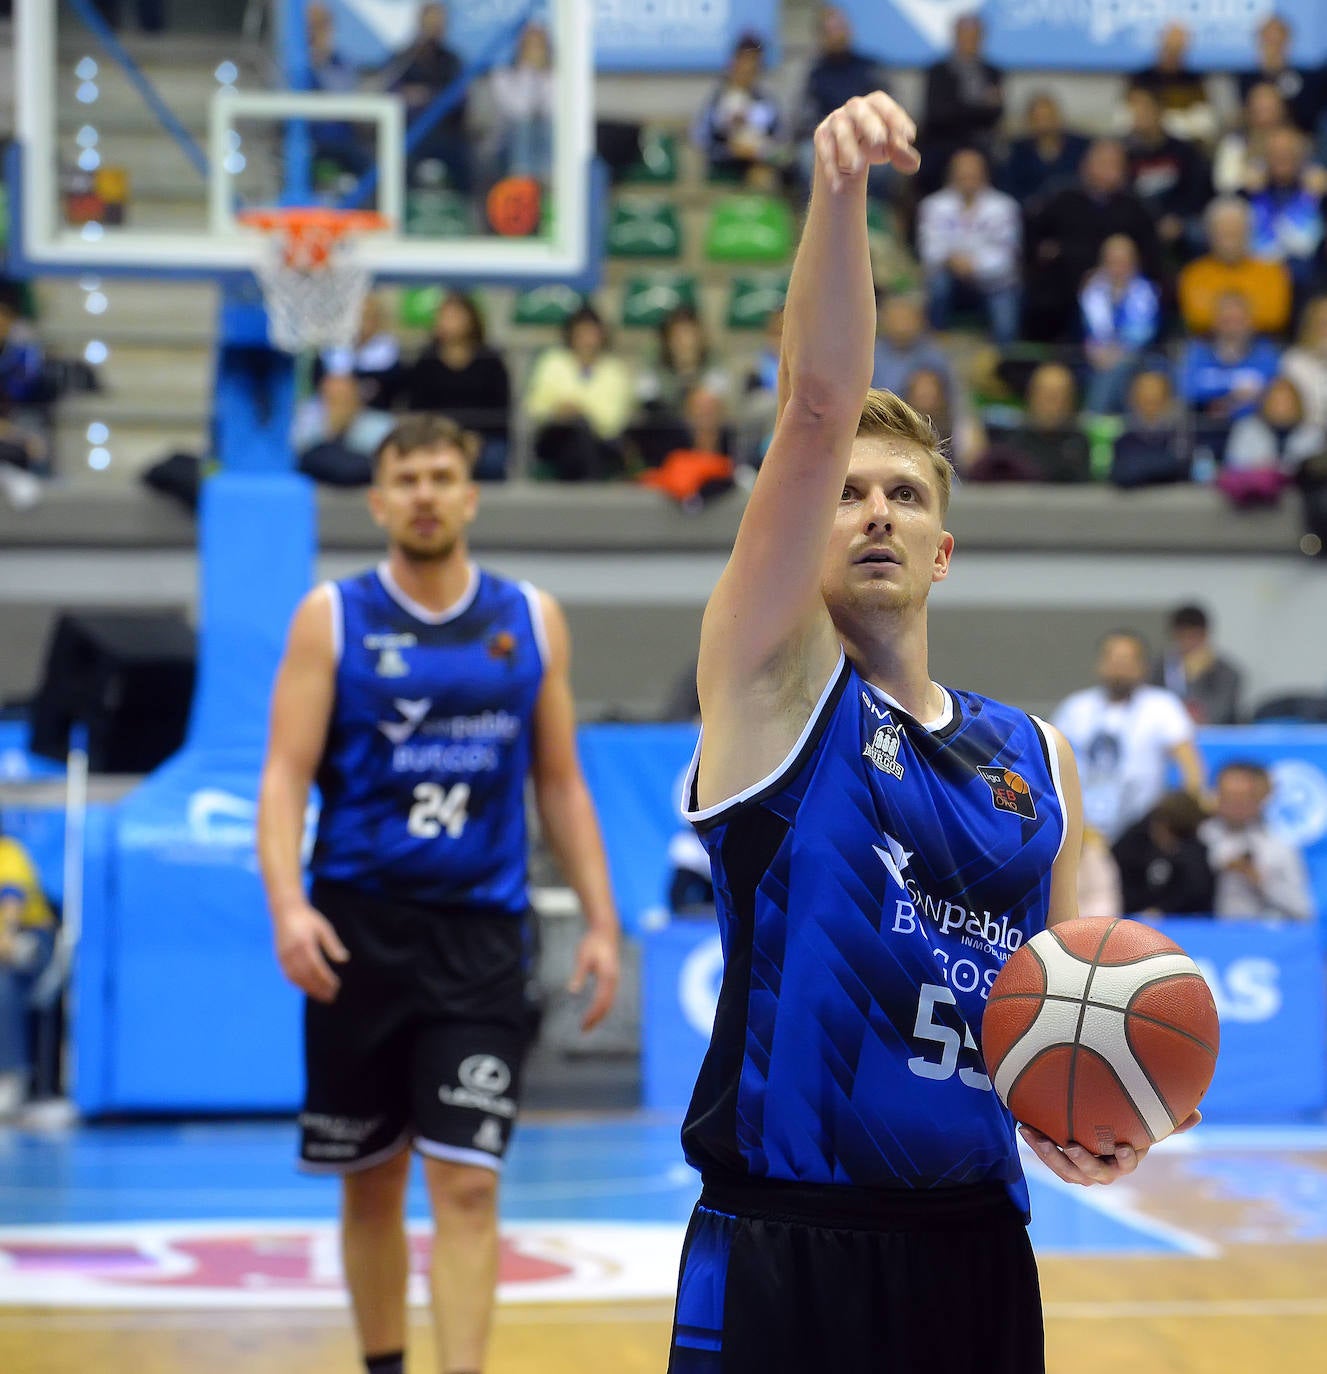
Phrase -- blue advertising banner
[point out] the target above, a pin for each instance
(666, 35)
(1109, 35)
(1267, 981)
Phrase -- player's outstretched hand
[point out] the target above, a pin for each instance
(596, 957)
(305, 941)
(1074, 1164)
(869, 131)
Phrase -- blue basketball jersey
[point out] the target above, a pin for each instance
(868, 893)
(430, 743)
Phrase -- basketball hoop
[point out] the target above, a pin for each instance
(313, 281)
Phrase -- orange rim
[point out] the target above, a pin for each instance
(297, 221)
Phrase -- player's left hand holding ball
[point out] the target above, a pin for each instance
(869, 131)
(1074, 1164)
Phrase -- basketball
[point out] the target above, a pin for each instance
(1101, 1032)
(514, 206)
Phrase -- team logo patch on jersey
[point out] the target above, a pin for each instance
(502, 645)
(489, 1136)
(883, 751)
(391, 664)
(388, 649)
(1010, 792)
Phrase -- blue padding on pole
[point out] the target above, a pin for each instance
(257, 536)
(92, 18)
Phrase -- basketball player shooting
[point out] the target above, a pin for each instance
(880, 845)
(421, 696)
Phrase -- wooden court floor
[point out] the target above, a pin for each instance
(1257, 1302)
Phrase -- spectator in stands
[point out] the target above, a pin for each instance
(740, 129)
(22, 362)
(1301, 88)
(374, 359)
(330, 70)
(1185, 107)
(1208, 684)
(421, 72)
(903, 344)
(1126, 734)
(336, 434)
(760, 395)
(1047, 446)
(1229, 268)
(581, 397)
(24, 391)
(1164, 869)
(1046, 157)
(27, 936)
(1152, 449)
(1121, 312)
(1065, 234)
(1170, 175)
(458, 375)
(1240, 163)
(1306, 363)
(1258, 874)
(523, 108)
(686, 384)
(1277, 437)
(1223, 377)
(1099, 892)
(1286, 216)
(838, 73)
(935, 394)
(963, 105)
(968, 237)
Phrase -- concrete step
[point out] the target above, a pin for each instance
(184, 374)
(105, 305)
(146, 409)
(132, 448)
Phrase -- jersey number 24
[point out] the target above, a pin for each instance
(437, 809)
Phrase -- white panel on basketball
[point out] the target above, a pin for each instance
(1115, 984)
(1066, 974)
(1055, 1023)
(1103, 1032)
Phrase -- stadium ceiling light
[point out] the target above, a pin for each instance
(87, 92)
(92, 231)
(87, 137)
(96, 303)
(95, 352)
(86, 69)
(89, 160)
(227, 73)
(98, 433)
(99, 458)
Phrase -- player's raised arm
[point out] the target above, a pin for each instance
(301, 710)
(766, 609)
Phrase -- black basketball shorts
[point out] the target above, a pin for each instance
(792, 1279)
(427, 1037)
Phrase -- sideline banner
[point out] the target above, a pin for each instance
(1068, 35)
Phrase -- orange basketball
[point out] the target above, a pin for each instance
(1101, 1031)
(514, 206)
(1015, 782)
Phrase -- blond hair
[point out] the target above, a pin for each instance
(885, 415)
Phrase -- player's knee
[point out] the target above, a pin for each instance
(462, 1188)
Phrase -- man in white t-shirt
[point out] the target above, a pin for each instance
(1125, 734)
(1257, 872)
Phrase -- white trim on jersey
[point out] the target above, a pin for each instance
(771, 779)
(1054, 755)
(458, 1154)
(930, 726)
(531, 594)
(338, 621)
(423, 613)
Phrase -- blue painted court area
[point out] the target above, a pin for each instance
(619, 1170)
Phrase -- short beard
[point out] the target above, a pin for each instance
(426, 553)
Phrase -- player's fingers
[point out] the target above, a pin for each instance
(1053, 1157)
(605, 988)
(846, 136)
(330, 942)
(1102, 1168)
(1189, 1122)
(313, 974)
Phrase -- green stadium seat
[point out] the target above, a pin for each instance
(644, 229)
(749, 229)
(649, 299)
(546, 305)
(752, 299)
(658, 160)
(419, 304)
(439, 214)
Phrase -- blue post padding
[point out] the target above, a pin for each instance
(254, 408)
(257, 538)
(92, 1007)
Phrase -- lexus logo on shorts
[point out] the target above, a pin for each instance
(484, 1073)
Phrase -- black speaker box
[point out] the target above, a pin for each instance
(128, 677)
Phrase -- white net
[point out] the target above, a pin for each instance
(314, 287)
